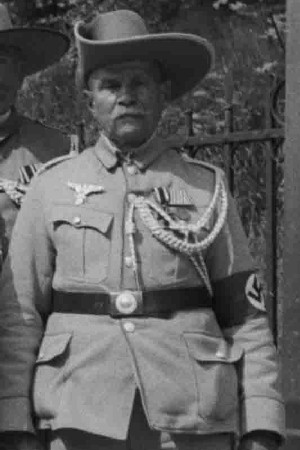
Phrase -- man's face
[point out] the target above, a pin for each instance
(10, 79)
(128, 101)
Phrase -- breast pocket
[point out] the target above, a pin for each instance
(169, 264)
(214, 363)
(163, 263)
(83, 242)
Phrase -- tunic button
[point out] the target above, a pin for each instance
(128, 261)
(129, 327)
(131, 170)
(131, 198)
(76, 220)
(220, 354)
(79, 201)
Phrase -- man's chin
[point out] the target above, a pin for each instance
(131, 136)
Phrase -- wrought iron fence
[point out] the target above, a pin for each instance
(231, 141)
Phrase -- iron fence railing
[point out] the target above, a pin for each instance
(272, 136)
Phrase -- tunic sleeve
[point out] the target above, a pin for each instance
(25, 294)
(240, 310)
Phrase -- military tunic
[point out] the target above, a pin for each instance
(203, 371)
(23, 144)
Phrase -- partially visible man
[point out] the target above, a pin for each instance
(24, 143)
(135, 307)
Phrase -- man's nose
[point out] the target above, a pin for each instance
(127, 95)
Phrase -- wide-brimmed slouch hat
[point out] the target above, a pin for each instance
(38, 47)
(120, 36)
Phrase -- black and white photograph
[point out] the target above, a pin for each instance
(149, 225)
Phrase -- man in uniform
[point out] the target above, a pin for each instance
(135, 307)
(23, 142)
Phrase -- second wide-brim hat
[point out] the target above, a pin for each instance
(122, 35)
(39, 47)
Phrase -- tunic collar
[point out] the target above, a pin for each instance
(142, 156)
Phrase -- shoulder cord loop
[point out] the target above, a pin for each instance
(193, 250)
(164, 234)
(130, 230)
(14, 189)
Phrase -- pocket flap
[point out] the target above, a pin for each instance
(81, 217)
(204, 347)
(52, 346)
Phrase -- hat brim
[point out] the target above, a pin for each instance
(186, 58)
(40, 47)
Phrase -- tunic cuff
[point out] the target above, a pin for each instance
(263, 413)
(15, 415)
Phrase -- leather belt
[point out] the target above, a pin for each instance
(132, 303)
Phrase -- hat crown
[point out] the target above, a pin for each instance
(5, 22)
(121, 24)
(121, 36)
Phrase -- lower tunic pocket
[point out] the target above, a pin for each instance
(214, 363)
(49, 377)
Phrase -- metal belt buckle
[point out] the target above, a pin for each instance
(126, 303)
